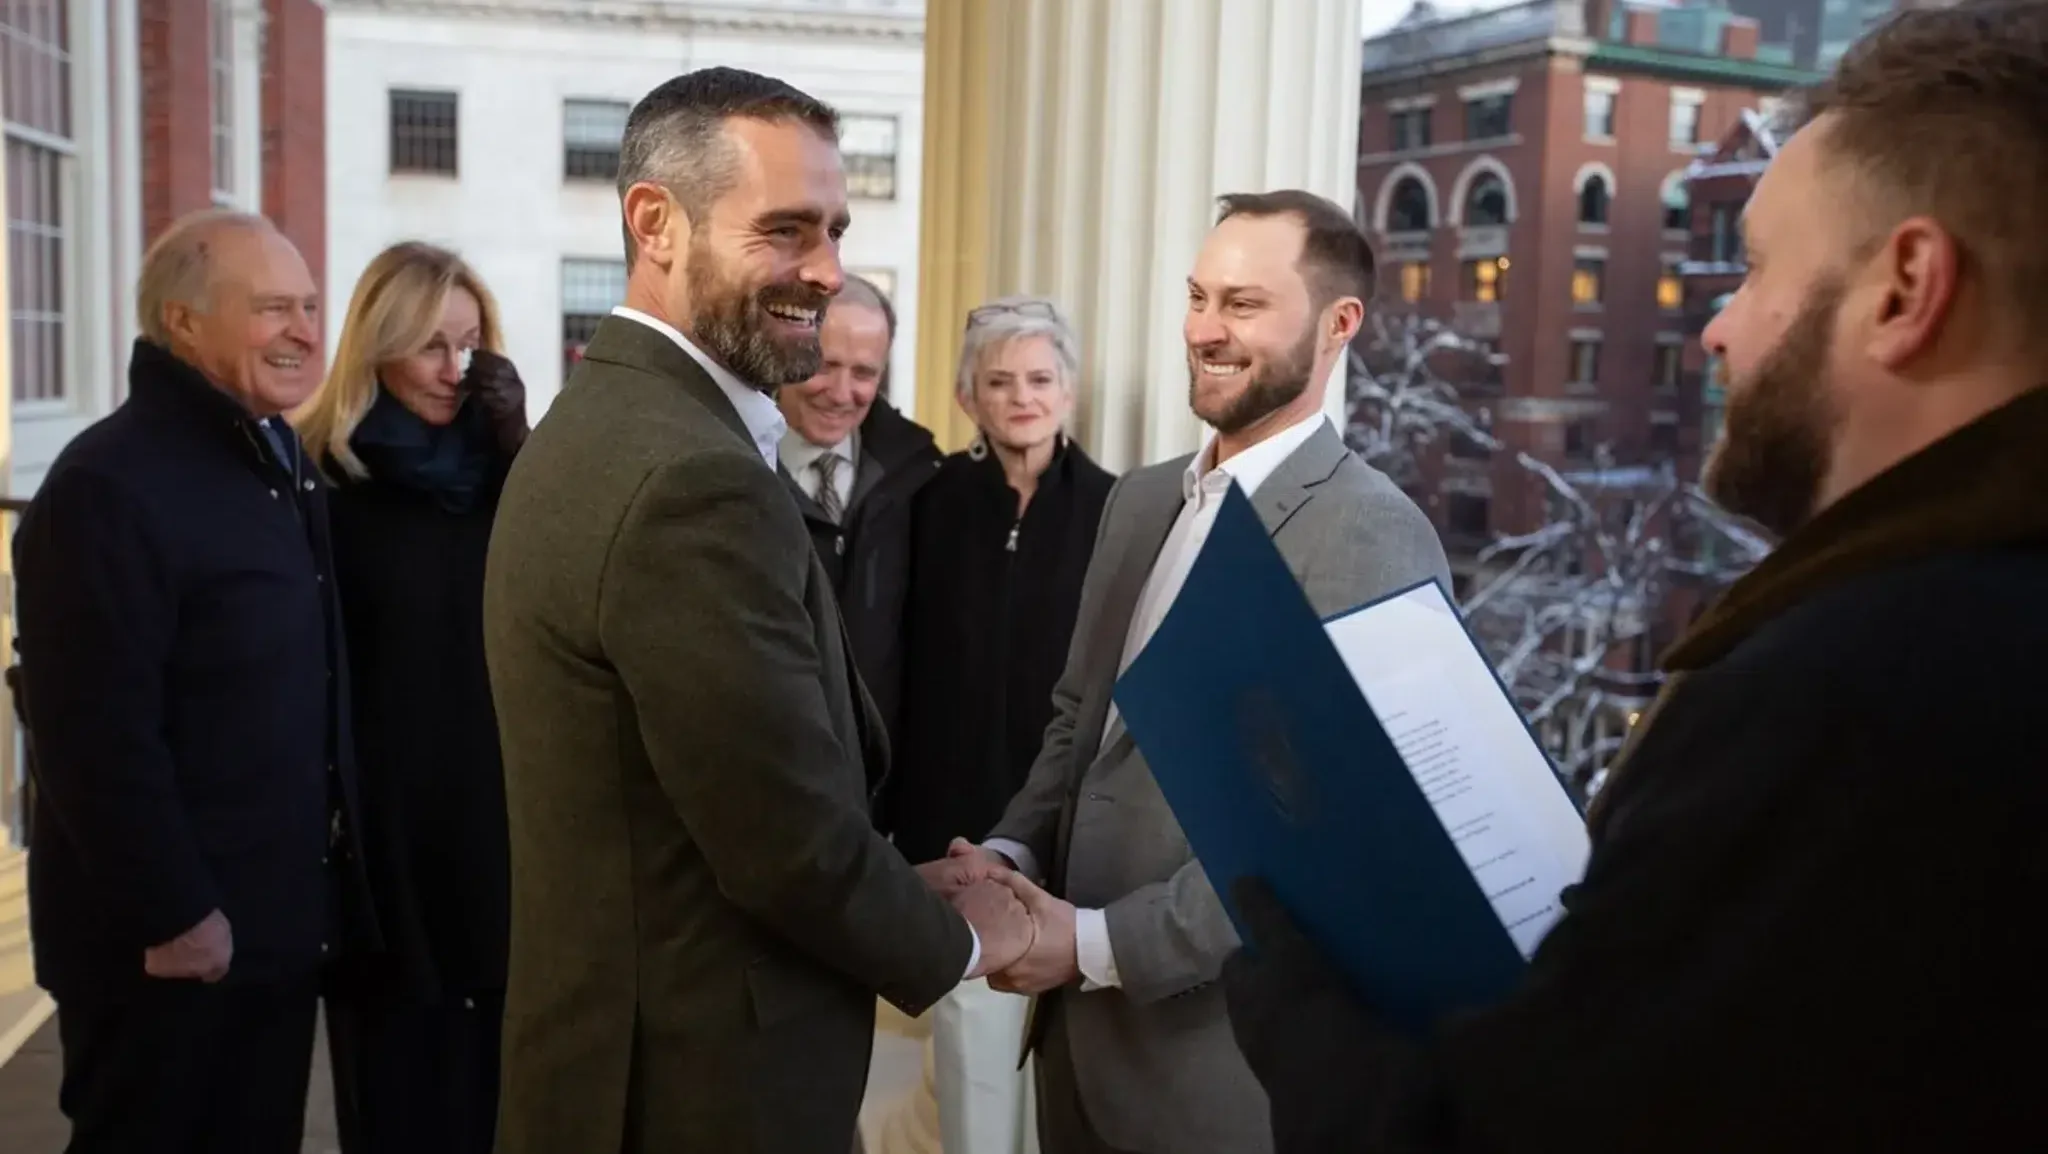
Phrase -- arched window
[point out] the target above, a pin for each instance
(1593, 198)
(1677, 204)
(1409, 210)
(1486, 202)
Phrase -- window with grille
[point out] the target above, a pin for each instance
(867, 145)
(1585, 362)
(1486, 281)
(591, 289)
(35, 45)
(1411, 128)
(1489, 117)
(423, 132)
(591, 133)
(1670, 363)
(1589, 279)
(221, 68)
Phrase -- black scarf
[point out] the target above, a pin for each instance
(449, 463)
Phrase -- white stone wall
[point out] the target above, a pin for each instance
(510, 212)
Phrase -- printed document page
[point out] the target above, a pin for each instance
(1469, 749)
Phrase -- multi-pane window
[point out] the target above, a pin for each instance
(1411, 128)
(1670, 289)
(1414, 281)
(1724, 239)
(1489, 117)
(1486, 281)
(35, 58)
(1685, 122)
(1486, 202)
(591, 289)
(423, 132)
(867, 145)
(221, 70)
(1585, 362)
(1408, 209)
(1669, 362)
(1677, 204)
(1600, 113)
(591, 133)
(1589, 279)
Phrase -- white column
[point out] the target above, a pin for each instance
(248, 17)
(1112, 126)
(126, 87)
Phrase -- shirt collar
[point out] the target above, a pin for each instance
(757, 409)
(798, 454)
(1251, 467)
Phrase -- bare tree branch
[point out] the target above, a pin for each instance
(1566, 610)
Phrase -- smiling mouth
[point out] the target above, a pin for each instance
(794, 315)
(286, 364)
(1211, 368)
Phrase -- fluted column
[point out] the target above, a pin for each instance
(1075, 148)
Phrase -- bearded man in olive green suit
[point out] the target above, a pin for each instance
(702, 911)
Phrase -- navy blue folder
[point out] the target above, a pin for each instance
(1277, 768)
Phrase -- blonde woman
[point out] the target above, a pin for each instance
(416, 424)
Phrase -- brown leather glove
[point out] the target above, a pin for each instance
(503, 396)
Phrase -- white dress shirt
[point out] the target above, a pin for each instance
(1202, 489)
(765, 425)
(800, 457)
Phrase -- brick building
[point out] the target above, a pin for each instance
(1524, 173)
(121, 115)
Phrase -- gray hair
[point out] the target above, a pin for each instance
(860, 292)
(1008, 319)
(178, 269)
(675, 137)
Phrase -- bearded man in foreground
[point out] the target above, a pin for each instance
(702, 911)
(1808, 919)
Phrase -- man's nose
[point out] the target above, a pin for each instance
(303, 329)
(1203, 330)
(824, 272)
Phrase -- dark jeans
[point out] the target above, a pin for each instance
(189, 1068)
(412, 1076)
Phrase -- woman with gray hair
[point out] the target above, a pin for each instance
(1001, 538)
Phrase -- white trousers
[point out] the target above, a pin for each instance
(986, 1105)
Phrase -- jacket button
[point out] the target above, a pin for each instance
(839, 545)
(273, 494)
(309, 486)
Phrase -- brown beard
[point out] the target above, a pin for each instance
(1778, 435)
(733, 325)
(1275, 384)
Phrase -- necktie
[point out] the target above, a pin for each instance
(827, 468)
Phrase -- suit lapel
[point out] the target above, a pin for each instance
(629, 344)
(1293, 484)
(1151, 521)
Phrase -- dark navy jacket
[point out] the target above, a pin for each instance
(185, 685)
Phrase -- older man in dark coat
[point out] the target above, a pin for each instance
(184, 683)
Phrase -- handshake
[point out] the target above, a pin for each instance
(1027, 935)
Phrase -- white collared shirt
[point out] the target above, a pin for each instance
(800, 457)
(757, 409)
(1202, 488)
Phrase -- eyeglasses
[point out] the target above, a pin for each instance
(1026, 308)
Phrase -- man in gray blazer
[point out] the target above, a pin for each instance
(1134, 1047)
(702, 911)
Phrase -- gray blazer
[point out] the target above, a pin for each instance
(1156, 1065)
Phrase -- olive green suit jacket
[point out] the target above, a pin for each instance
(702, 911)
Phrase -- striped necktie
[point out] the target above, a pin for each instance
(827, 468)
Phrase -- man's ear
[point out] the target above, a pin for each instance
(650, 214)
(1341, 321)
(182, 321)
(1919, 272)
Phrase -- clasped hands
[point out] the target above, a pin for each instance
(1027, 935)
